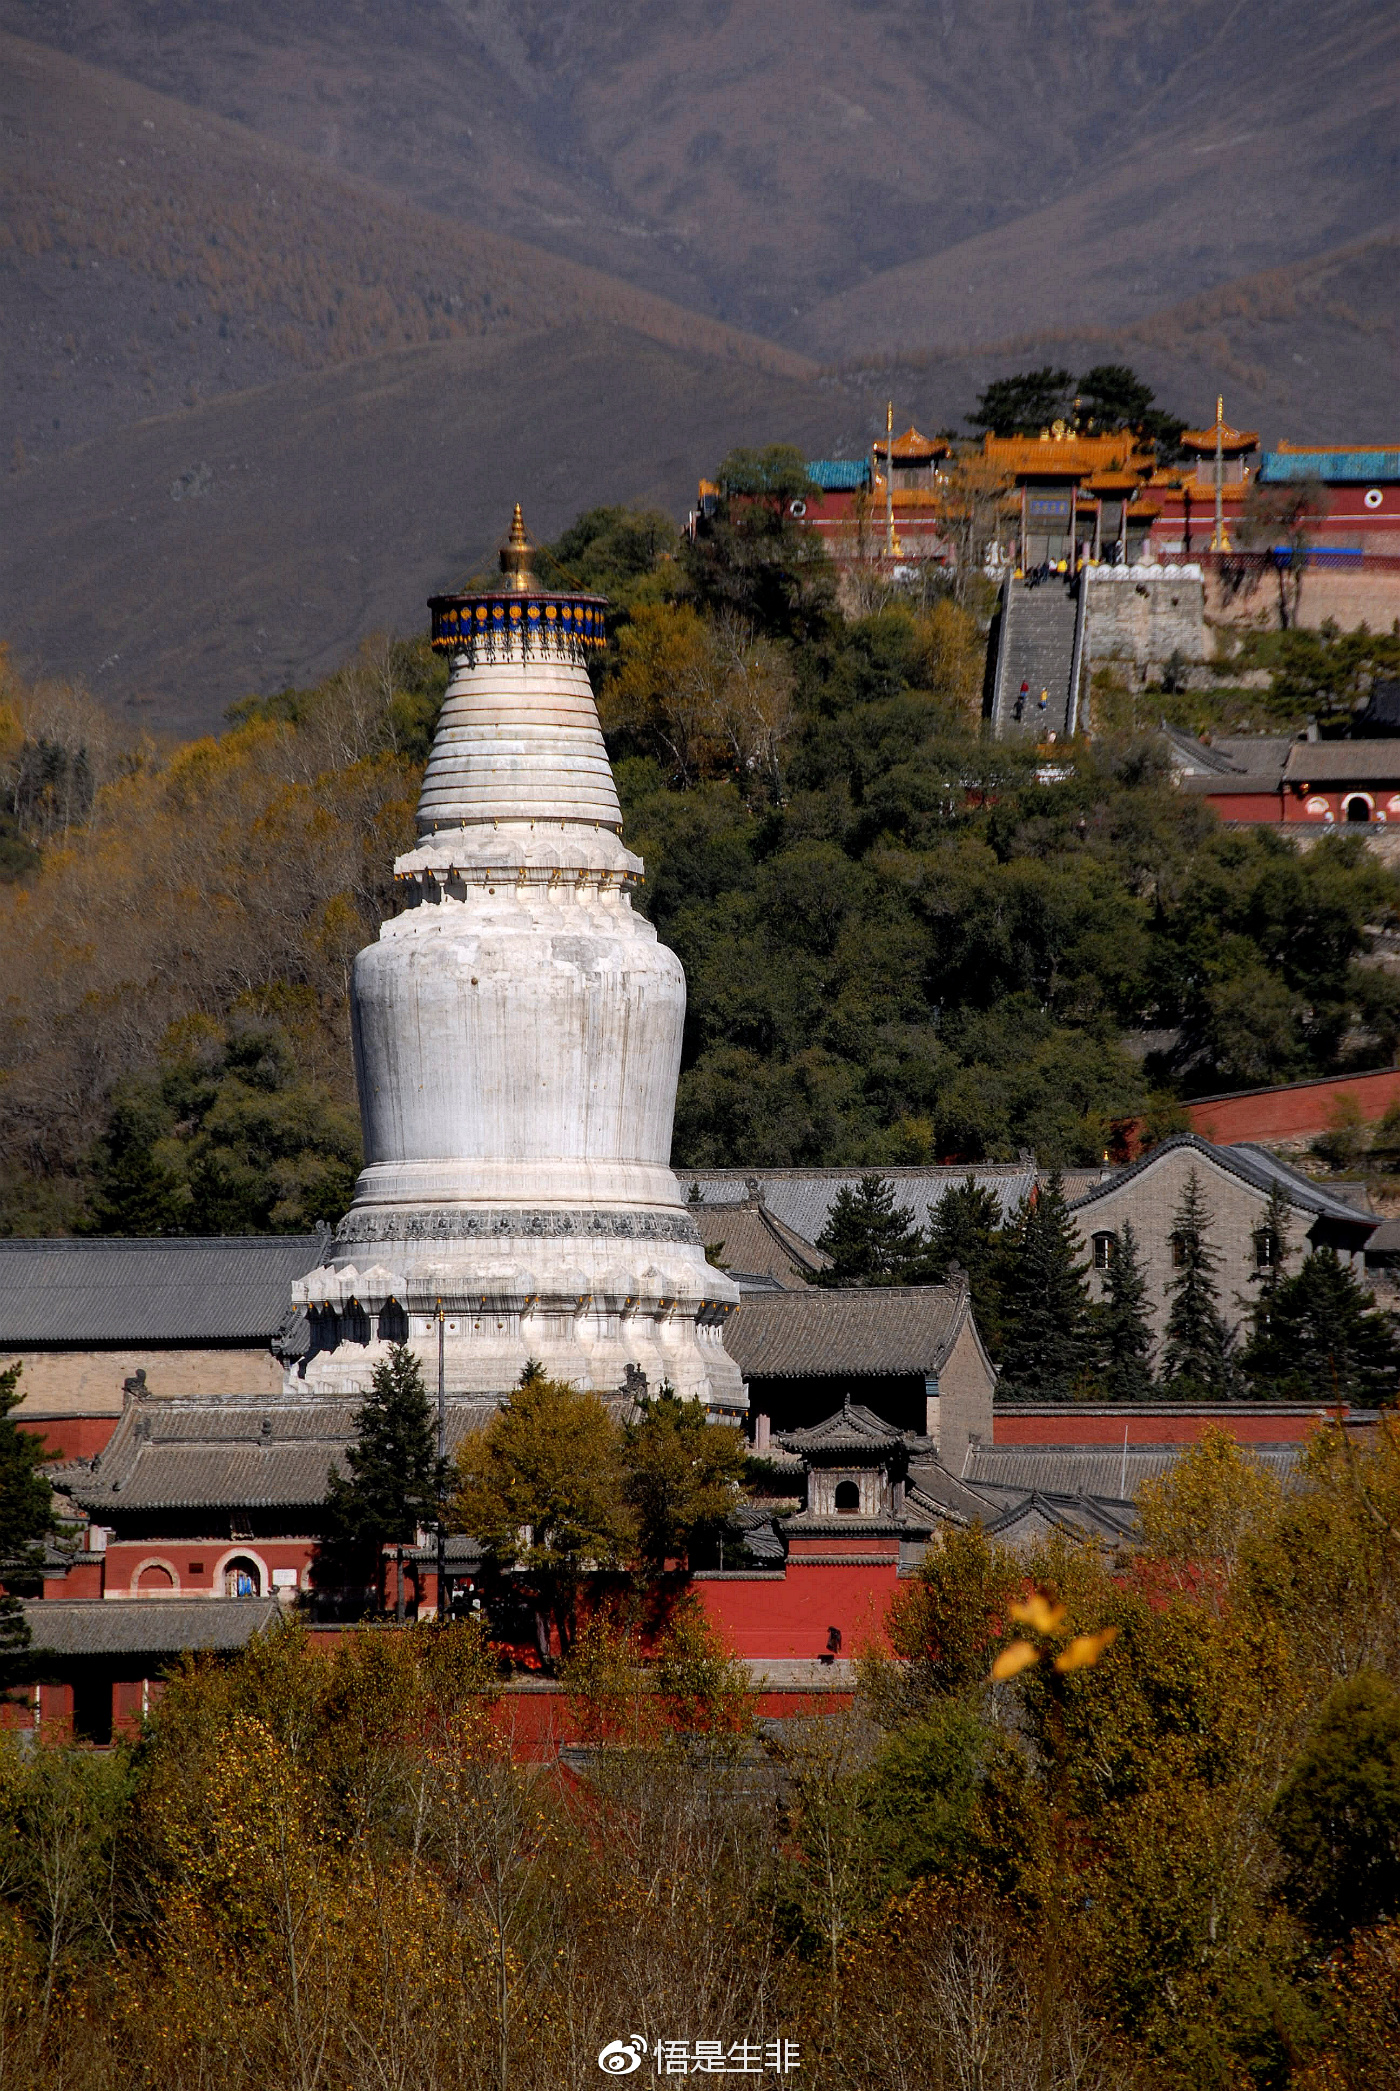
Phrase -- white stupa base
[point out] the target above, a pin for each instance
(594, 1304)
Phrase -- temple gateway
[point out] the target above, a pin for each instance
(517, 1034)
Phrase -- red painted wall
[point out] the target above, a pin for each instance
(1256, 806)
(71, 1437)
(1160, 1426)
(1302, 1107)
(768, 1620)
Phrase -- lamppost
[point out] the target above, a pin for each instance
(443, 1608)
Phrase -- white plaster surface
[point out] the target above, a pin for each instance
(517, 1033)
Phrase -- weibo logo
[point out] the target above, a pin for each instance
(621, 2057)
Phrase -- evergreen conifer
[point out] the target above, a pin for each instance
(1048, 1336)
(396, 1481)
(25, 1511)
(1196, 1362)
(1122, 1330)
(965, 1229)
(870, 1240)
(1319, 1337)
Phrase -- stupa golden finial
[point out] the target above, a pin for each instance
(516, 556)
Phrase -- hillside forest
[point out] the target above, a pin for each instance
(1106, 1825)
(901, 944)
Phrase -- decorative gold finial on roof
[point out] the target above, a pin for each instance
(516, 556)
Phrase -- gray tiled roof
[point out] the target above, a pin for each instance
(187, 1289)
(81, 1626)
(252, 1452)
(1215, 763)
(752, 1242)
(852, 1333)
(802, 1198)
(853, 1428)
(1253, 1165)
(1099, 1470)
(1344, 762)
(1035, 1516)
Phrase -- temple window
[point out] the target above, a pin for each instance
(847, 1498)
(1105, 1250)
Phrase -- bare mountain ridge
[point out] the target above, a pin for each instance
(241, 453)
(767, 159)
(128, 222)
(254, 540)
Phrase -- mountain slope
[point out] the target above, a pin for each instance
(253, 540)
(151, 253)
(754, 158)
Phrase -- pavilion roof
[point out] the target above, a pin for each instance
(1065, 457)
(1233, 441)
(913, 447)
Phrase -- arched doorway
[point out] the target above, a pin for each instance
(241, 1578)
(847, 1497)
(1357, 807)
(154, 1580)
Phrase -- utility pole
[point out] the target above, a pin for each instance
(889, 480)
(442, 1605)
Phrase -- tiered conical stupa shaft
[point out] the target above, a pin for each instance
(517, 1044)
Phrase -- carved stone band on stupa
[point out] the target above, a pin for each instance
(517, 1033)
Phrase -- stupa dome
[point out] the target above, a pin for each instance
(517, 1032)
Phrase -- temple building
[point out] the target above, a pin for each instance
(517, 1033)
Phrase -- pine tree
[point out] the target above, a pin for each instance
(1122, 1330)
(965, 1229)
(869, 1239)
(1323, 1339)
(1048, 1334)
(1196, 1364)
(25, 1511)
(396, 1482)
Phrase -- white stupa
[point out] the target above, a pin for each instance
(517, 1034)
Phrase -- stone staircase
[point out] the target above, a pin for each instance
(1037, 645)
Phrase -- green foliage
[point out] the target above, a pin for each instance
(542, 1487)
(1104, 400)
(1319, 1336)
(1049, 1340)
(682, 1476)
(1337, 1815)
(1324, 674)
(396, 1482)
(965, 1229)
(626, 554)
(753, 560)
(870, 1239)
(948, 1623)
(1025, 404)
(229, 1137)
(1196, 1364)
(26, 1503)
(920, 1801)
(1201, 1510)
(1122, 1330)
(900, 946)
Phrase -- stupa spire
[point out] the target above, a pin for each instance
(518, 739)
(517, 558)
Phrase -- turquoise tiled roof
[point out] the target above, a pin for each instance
(1334, 467)
(839, 475)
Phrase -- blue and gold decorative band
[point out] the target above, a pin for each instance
(489, 626)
